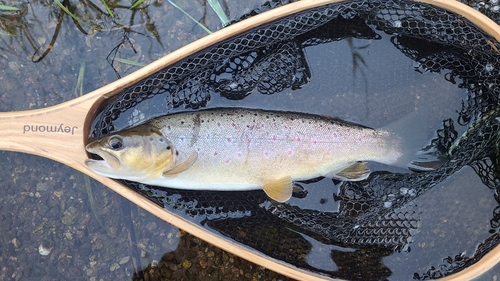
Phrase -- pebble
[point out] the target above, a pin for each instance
(186, 264)
(124, 260)
(44, 251)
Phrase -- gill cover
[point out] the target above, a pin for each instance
(139, 154)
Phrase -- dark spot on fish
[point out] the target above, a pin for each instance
(168, 147)
(161, 139)
(182, 122)
(323, 201)
(255, 114)
(150, 138)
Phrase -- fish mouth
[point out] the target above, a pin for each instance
(95, 164)
(95, 159)
(101, 161)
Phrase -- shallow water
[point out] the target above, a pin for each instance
(45, 203)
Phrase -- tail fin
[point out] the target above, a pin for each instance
(415, 132)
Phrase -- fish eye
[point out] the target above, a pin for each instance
(115, 143)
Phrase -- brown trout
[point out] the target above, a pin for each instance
(242, 149)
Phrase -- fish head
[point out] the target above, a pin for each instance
(139, 154)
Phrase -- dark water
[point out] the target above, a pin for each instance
(367, 81)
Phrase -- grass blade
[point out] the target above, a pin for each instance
(130, 62)
(215, 5)
(107, 8)
(136, 3)
(79, 81)
(189, 16)
(8, 8)
(68, 12)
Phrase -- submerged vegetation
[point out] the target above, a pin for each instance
(93, 17)
(8, 8)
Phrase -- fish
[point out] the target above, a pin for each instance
(231, 149)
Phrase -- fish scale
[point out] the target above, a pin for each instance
(244, 149)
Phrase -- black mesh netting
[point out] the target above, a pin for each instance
(376, 216)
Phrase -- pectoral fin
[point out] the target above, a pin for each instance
(279, 190)
(182, 166)
(355, 172)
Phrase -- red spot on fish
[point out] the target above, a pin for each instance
(266, 153)
(227, 161)
(249, 141)
(334, 135)
(228, 139)
(289, 153)
(327, 153)
(234, 125)
(215, 153)
(297, 139)
(274, 138)
(313, 142)
(239, 154)
(359, 139)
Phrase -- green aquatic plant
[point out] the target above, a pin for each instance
(91, 17)
(8, 8)
(130, 62)
(67, 11)
(79, 81)
(190, 17)
(110, 13)
(215, 5)
(136, 3)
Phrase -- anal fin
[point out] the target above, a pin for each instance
(280, 189)
(355, 172)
